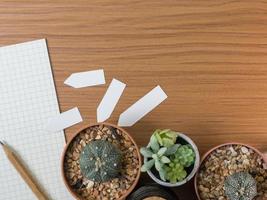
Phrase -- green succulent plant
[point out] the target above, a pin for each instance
(166, 137)
(100, 161)
(174, 172)
(156, 156)
(240, 186)
(169, 159)
(184, 155)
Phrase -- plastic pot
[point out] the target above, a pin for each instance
(189, 176)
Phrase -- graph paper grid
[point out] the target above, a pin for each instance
(27, 101)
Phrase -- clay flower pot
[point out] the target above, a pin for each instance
(192, 171)
(207, 154)
(120, 135)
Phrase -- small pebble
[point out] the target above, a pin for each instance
(244, 150)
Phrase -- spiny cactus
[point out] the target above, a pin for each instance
(100, 161)
(174, 172)
(166, 137)
(184, 155)
(240, 186)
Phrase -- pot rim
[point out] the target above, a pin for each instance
(69, 142)
(190, 176)
(217, 147)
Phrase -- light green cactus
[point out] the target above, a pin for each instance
(174, 172)
(100, 161)
(184, 155)
(166, 137)
(240, 186)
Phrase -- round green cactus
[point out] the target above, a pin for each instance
(184, 155)
(100, 161)
(240, 186)
(174, 172)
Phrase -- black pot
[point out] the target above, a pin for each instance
(152, 191)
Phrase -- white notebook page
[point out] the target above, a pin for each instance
(27, 100)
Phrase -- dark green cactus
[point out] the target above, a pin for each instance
(240, 186)
(100, 161)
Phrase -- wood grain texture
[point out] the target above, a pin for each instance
(209, 56)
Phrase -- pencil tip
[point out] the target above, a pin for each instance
(1, 143)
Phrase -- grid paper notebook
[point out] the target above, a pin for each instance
(27, 100)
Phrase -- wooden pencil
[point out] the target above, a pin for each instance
(23, 172)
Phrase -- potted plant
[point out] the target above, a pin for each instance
(171, 158)
(101, 162)
(232, 171)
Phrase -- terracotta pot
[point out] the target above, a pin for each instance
(189, 176)
(67, 145)
(264, 156)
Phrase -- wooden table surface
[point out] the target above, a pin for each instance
(209, 56)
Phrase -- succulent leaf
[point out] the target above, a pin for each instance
(185, 155)
(172, 149)
(159, 139)
(162, 151)
(158, 165)
(100, 161)
(165, 137)
(175, 172)
(162, 174)
(240, 186)
(155, 156)
(148, 165)
(146, 152)
(153, 144)
(165, 159)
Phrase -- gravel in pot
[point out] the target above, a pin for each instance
(228, 162)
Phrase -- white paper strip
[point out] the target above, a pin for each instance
(85, 79)
(64, 120)
(110, 100)
(143, 106)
